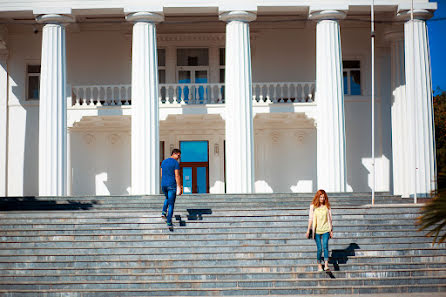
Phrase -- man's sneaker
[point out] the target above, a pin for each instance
(170, 226)
(163, 216)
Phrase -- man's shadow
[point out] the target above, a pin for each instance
(194, 214)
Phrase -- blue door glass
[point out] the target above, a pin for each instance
(195, 165)
(201, 180)
(187, 180)
(194, 151)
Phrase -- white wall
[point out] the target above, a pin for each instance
(285, 160)
(100, 163)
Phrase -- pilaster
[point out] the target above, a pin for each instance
(238, 103)
(145, 115)
(331, 163)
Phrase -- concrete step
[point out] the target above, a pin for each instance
(203, 253)
(148, 268)
(178, 286)
(52, 276)
(285, 291)
(49, 261)
(303, 245)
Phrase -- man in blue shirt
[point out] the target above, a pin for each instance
(170, 184)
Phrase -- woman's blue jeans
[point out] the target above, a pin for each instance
(169, 202)
(322, 243)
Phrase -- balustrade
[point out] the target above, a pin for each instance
(192, 94)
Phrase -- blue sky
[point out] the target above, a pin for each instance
(437, 42)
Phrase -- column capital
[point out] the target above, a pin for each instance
(238, 15)
(145, 16)
(328, 13)
(418, 14)
(58, 19)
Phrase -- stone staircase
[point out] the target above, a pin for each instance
(249, 245)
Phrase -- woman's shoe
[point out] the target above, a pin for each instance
(320, 269)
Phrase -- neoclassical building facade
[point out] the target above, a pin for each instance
(261, 96)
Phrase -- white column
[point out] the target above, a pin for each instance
(52, 109)
(3, 123)
(145, 115)
(419, 113)
(331, 168)
(400, 130)
(238, 101)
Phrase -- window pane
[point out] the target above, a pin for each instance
(192, 57)
(33, 87)
(194, 151)
(187, 179)
(33, 69)
(161, 57)
(345, 83)
(201, 180)
(162, 76)
(222, 56)
(350, 64)
(222, 75)
(355, 82)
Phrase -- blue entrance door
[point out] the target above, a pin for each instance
(195, 166)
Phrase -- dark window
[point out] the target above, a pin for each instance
(33, 81)
(192, 57)
(352, 77)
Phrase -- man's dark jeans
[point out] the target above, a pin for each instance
(169, 203)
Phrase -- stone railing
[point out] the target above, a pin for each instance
(193, 94)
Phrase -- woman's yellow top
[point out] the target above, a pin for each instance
(320, 220)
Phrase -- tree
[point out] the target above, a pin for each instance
(433, 214)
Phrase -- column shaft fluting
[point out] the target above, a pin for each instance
(419, 112)
(238, 101)
(331, 169)
(145, 115)
(400, 129)
(52, 113)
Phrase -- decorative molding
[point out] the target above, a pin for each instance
(300, 135)
(89, 138)
(275, 136)
(114, 139)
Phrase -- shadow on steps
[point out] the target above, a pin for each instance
(32, 203)
(341, 256)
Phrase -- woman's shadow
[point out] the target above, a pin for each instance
(341, 257)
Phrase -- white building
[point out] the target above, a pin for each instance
(277, 94)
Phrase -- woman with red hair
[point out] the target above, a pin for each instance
(320, 223)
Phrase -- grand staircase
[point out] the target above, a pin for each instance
(251, 245)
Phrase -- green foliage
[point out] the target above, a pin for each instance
(433, 214)
(440, 130)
